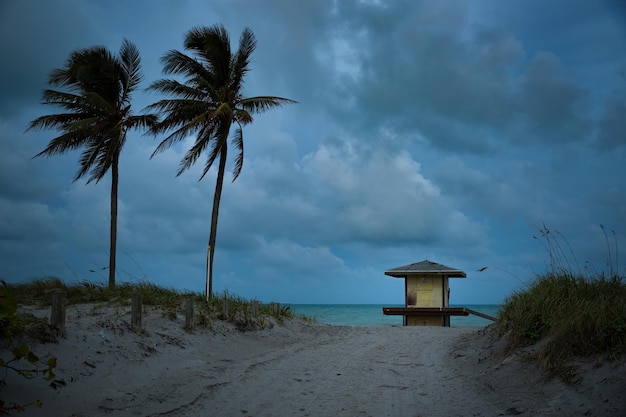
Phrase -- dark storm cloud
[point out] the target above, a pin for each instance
(35, 41)
(430, 71)
(612, 125)
(550, 105)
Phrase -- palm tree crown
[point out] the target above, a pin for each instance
(97, 101)
(207, 103)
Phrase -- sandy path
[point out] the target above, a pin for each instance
(299, 369)
(357, 371)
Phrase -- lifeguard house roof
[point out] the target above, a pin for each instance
(425, 267)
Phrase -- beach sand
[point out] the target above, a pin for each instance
(298, 368)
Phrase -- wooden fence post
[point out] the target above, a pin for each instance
(57, 314)
(275, 308)
(255, 308)
(189, 314)
(135, 314)
(225, 309)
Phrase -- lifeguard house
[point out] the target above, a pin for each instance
(427, 294)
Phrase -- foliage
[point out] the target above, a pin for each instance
(11, 325)
(23, 353)
(568, 313)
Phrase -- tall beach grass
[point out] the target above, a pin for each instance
(568, 312)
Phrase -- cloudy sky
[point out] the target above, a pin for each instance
(450, 131)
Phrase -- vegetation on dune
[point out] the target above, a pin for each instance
(171, 302)
(568, 312)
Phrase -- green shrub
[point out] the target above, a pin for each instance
(13, 325)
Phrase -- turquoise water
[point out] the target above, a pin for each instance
(372, 314)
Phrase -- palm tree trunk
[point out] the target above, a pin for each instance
(216, 209)
(113, 247)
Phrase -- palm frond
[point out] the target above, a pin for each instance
(180, 113)
(219, 146)
(178, 89)
(263, 103)
(171, 139)
(63, 143)
(241, 60)
(206, 87)
(175, 62)
(130, 61)
(192, 155)
(59, 97)
(90, 102)
(238, 144)
(94, 164)
(97, 103)
(100, 151)
(212, 46)
(97, 70)
(146, 121)
(52, 121)
(247, 45)
(243, 117)
(87, 159)
(185, 130)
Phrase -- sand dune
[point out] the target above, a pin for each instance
(298, 368)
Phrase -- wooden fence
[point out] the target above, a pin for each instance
(59, 304)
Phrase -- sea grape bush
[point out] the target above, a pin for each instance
(34, 366)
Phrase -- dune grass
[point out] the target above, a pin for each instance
(568, 313)
(170, 301)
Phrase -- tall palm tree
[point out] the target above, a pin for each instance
(97, 101)
(207, 104)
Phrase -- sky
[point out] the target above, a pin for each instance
(452, 131)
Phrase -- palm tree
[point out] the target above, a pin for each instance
(206, 105)
(98, 115)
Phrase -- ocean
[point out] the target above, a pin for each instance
(372, 314)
